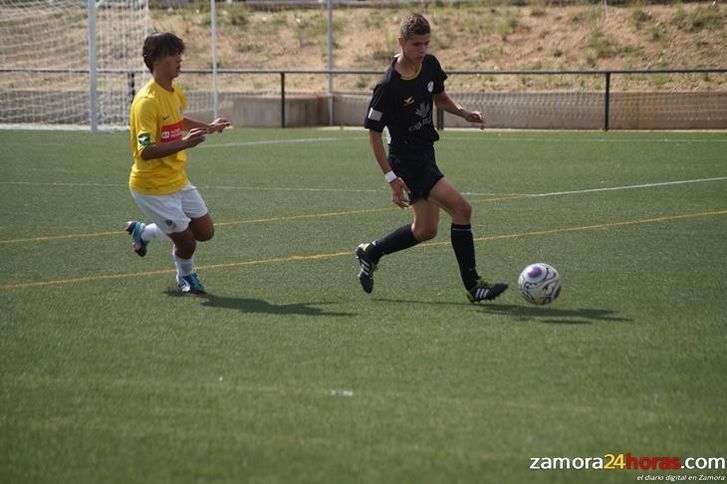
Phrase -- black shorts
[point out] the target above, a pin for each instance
(417, 167)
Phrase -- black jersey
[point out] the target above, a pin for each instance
(405, 105)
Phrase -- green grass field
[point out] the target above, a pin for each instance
(288, 372)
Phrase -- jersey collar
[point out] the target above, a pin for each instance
(406, 78)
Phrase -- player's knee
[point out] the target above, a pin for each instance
(424, 233)
(205, 235)
(464, 210)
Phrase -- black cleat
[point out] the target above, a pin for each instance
(366, 274)
(485, 292)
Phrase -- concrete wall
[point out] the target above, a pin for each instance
(266, 111)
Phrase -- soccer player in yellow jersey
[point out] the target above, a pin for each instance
(159, 134)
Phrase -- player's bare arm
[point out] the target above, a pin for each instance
(397, 185)
(159, 150)
(216, 126)
(443, 101)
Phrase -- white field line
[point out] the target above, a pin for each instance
(295, 189)
(347, 253)
(500, 138)
(629, 187)
(279, 142)
(378, 190)
(206, 187)
(611, 189)
(353, 212)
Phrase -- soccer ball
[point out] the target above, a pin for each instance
(539, 283)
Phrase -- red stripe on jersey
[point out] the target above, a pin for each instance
(172, 132)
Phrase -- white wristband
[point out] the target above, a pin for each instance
(390, 176)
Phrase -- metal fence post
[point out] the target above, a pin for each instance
(92, 67)
(282, 99)
(607, 102)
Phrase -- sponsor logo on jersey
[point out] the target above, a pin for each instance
(172, 132)
(408, 101)
(424, 112)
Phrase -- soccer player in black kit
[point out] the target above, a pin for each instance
(403, 102)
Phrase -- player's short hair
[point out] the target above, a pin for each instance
(414, 24)
(161, 44)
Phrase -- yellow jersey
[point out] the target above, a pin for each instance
(157, 116)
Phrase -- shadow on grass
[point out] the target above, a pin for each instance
(554, 315)
(541, 314)
(259, 306)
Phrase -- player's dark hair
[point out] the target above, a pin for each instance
(161, 44)
(414, 24)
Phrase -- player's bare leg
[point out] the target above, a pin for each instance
(202, 228)
(185, 243)
(426, 219)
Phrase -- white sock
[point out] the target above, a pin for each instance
(153, 232)
(184, 266)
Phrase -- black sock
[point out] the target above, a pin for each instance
(400, 239)
(464, 248)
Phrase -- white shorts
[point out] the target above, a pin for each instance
(173, 212)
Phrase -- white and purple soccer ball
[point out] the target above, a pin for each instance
(539, 283)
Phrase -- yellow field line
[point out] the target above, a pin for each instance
(305, 216)
(317, 257)
(44, 238)
(259, 220)
(282, 218)
(585, 228)
(217, 224)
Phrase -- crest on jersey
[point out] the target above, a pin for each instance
(144, 139)
(430, 86)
